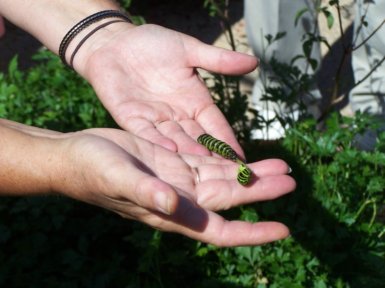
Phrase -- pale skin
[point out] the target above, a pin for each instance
(154, 172)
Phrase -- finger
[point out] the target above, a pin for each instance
(214, 168)
(224, 233)
(146, 130)
(224, 194)
(209, 227)
(218, 60)
(215, 124)
(152, 193)
(126, 183)
(139, 118)
(149, 193)
(239, 233)
(184, 142)
(270, 167)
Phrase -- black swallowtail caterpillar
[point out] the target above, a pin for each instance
(217, 146)
(225, 150)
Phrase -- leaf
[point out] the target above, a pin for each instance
(323, 40)
(13, 70)
(279, 35)
(307, 47)
(269, 38)
(292, 62)
(329, 17)
(299, 15)
(313, 63)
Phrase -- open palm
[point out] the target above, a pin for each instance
(146, 77)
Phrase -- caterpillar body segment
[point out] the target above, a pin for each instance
(218, 146)
(244, 174)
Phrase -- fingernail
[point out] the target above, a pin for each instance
(162, 203)
(289, 170)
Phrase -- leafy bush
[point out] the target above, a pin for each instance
(50, 96)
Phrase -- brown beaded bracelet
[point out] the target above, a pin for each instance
(75, 30)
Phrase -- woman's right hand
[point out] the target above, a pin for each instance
(172, 192)
(139, 180)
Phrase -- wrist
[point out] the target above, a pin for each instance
(29, 162)
(92, 37)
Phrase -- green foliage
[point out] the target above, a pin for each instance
(136, 19)
(215, 7)
(50, 96)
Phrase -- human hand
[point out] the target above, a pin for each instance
(170, 191)
(146, 78)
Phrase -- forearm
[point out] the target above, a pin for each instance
(50, 20)
(27, 161)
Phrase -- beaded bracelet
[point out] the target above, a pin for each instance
(75, 30)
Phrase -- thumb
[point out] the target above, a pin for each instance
(152, 193)
(218, 60)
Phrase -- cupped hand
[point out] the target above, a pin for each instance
(146, 77)
(170, 191)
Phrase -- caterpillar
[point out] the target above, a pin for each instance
(225, 150)
(244, 174)
(217, 146)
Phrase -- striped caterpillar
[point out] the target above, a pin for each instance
(225, 150)
(217, 146)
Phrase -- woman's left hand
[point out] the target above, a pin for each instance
(146, 77)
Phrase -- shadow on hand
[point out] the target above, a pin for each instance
(189, 215)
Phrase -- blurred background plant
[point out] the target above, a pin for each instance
(336, 215)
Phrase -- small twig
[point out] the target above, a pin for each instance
(346, 52)
(370, 36)
(336, 100)
(348, 49)
(369, 73)
(224, 16)
(227, 30)
(361, 24)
